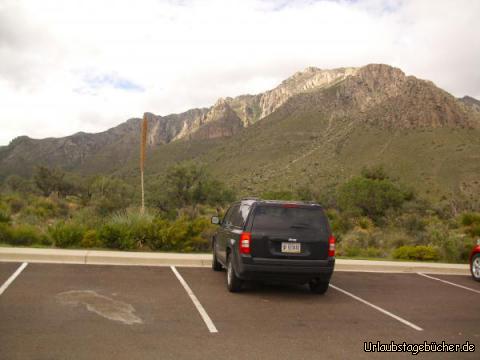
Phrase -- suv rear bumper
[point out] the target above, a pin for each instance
(284, 269)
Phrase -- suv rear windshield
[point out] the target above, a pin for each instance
(286, 218)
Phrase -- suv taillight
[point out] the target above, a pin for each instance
(331, 245)
(245, 238)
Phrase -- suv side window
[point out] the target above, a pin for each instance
(235, 219)
(239, 215)
(227, 220)
(244, 211)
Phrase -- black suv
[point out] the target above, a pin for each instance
(273, 240)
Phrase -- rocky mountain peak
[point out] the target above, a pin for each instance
(376, 94)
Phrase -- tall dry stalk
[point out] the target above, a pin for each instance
(143, 143)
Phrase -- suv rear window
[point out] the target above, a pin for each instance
(286, 218)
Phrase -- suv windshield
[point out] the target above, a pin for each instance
(288, 218)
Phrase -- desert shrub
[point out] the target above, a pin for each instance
(19, 184)
(305, 193)
(419, 252)
(362, 196)
(376, 172)
(471, 222)
(50, 181)
(67, 234)
(364, 223)
(372, 252)
(349, 251)
(182, 234)
(188, 185)
(340, 223)
(200, 232)
(16, 204)
(88, 216)
(452, 244)
(4, 213)
(116, 236)
(5, 233)
(360, 238)
(110, 194)
(90, 239)
(469, 219)
(279, 195)
(25, 235)
(355, 251)
(45, 208)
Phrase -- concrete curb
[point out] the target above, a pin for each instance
(99, 257)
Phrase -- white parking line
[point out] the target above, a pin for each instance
(450, 283)
(403, 321)
(211, 327)
(7, 283)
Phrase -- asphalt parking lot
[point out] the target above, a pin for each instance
(54, 311)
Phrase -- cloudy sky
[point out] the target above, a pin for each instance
(69, 65)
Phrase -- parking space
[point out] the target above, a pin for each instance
(87, 312)
(443, 311)
(283, 320)
(6, 270)
(82, 312)
(460, 280)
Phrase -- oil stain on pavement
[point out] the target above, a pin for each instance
(101, 305)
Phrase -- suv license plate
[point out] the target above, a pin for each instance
(288, 247)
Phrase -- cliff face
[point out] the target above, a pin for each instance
(379, 95)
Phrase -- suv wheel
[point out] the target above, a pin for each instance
(317, 286)
(475, 267)
(234, 283)
(216, 266)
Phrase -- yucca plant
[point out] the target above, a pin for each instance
(143, 143)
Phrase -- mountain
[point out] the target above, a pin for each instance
(317, 127)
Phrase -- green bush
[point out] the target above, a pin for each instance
(469, 219)
(116, 236)
(110, 194)
(362, 196)
(65, 234)
(16, 204)
(90, 239)
(180, 235)
(5, 233)
(26, 235)
(4, 213)
(340, 223)
(420, 252)
(45, 208)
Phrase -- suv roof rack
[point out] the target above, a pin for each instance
(251, 198)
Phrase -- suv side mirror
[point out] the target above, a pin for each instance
(215, 220)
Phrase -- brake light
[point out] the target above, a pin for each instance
(290, 205)
(245, 238)
(331, 245)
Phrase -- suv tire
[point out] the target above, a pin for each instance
(317, 286)
(475, 266)
(234, 283)
(216, 266)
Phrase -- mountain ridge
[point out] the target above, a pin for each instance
(310, 124)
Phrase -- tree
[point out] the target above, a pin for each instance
(364, 196)
(110, 194)
(52, 180)
(19, 184)
(188, 185)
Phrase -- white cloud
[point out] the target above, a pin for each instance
(68, 66)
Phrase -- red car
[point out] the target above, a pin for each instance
(475, 261)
